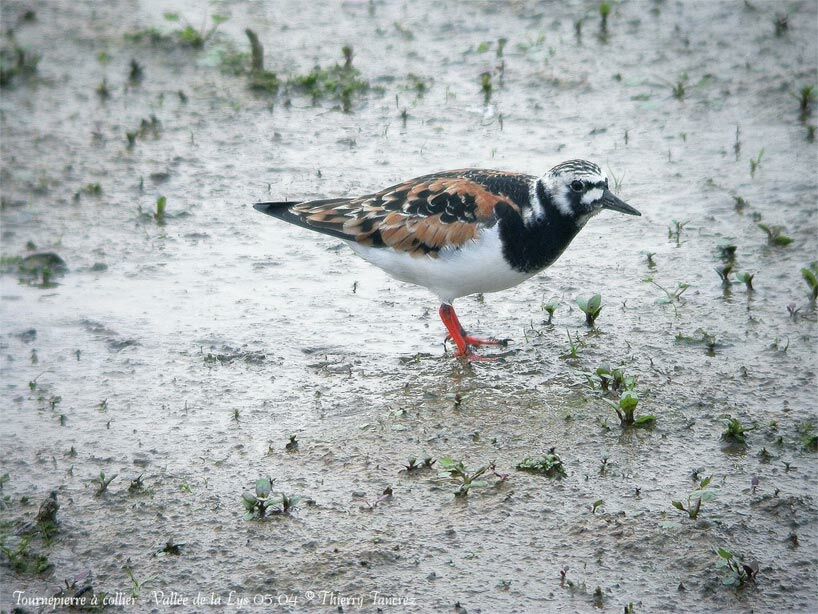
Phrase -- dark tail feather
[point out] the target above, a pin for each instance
(282, 211)
(275, 209)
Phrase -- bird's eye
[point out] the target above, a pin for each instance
(576, 185)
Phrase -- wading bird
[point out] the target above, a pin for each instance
(465, 231)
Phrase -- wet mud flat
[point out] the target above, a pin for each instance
(234, 410)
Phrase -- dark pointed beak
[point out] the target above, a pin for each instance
(609, 201)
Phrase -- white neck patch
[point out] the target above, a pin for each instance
(555, 187)
(536, 212)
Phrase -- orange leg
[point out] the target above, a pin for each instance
(459, 336)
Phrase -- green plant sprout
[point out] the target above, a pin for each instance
(550, 307)
(263, 502)
(192, 37)
(738, 572)
(775, 235)
(457, 471)
(674, 231)
(549, 465)
(702, 494)
(810, 275)
(735, 432)
(724, 274)
(625, 409)
(747, 280)
(161, 205)
(591, 307)
(102, 483)
(755, 163)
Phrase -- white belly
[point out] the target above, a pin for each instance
(478, 266)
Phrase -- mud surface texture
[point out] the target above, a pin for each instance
(158, 331)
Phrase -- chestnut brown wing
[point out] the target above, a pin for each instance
(419, 216)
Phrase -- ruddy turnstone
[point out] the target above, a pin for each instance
(465, 231)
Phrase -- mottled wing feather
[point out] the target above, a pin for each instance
(423, 215)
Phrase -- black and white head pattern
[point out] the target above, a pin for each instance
(576, 188)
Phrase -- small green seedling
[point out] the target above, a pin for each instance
(263, 502)
(413, 465)
(574, 345)
(292, 445)
(747, 280)
(806, 98)
(136, 73)
(486, 86)
(724, 274)
(625, 409)
(596, 505)
(102, 483)
(810, 275)
(775, 235)
(738, 572)
(457, 471)
(550, 307)
(604, 13)
(137, 485)
(591, 307)
(614, 379)
(674, 231)
(159, 215)
(755, 163)
(695, 499)
(727, 252)
(680, 87)
(735, 432)
(549, 465)
(23, 561)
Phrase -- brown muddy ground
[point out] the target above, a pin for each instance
(189, 352)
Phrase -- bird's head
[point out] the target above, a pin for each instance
(578, 189)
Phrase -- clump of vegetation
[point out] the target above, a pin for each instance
(191, 36)
(775, 235)
(263, 502)
(625, 409)
(412, 464)
(574, 345)
(727, 252)
(747, 280)
(549, 465)
(292, 445)
(486, 86)
(810, 275)
(735, 432)
(465, 478)
(671, 296)
(102, 482)
(695, 499)
(674, 231)
(806, 98)
(724, 274)
(591, 307)
(261, 80)
(604, 13)
(16, 63)
(161, 206)
(550, 307)
(680, 87)
(338, 82)
(755, 163)
(614, 380)
(738, 572)
(23, 561)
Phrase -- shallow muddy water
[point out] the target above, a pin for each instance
(189, 352)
